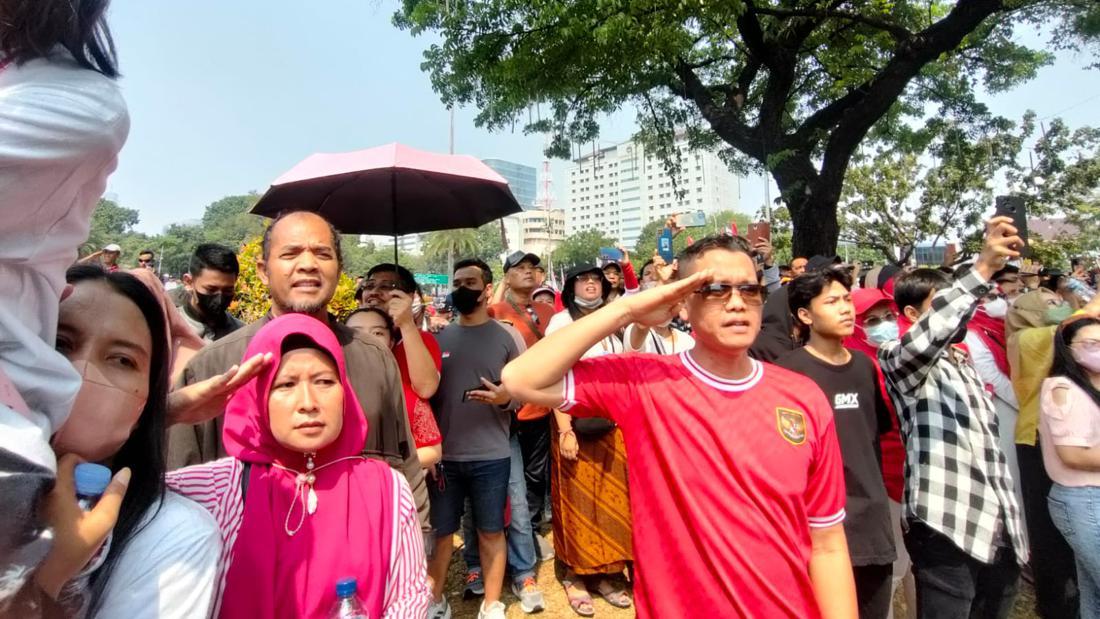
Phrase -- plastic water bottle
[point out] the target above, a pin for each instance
(347, 605)
(91, 481)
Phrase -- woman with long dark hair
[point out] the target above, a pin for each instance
(1069, 432)
(62, 123)
(588, 492)
(160, 556)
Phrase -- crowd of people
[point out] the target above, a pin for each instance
(718, 433)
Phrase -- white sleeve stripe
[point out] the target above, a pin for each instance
(570, 393)
(820, 522)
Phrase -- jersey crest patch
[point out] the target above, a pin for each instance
(792, 425)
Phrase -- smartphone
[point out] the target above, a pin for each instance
(611, 254)
(466, 394)
(696, 219)
(664, 245)
(759, 231)
(1016, 208)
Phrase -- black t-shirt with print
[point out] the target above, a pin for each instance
(861, 416)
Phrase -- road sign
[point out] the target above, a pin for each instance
(436, 279)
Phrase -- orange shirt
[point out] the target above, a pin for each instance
(522, 322)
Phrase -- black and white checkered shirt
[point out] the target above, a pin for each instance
(956, 477)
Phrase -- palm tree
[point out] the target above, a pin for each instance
(450, 243)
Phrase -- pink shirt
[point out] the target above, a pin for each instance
(1075, 423)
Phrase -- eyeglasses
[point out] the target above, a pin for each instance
(874, 321)
(383, 286)
(751, 294)
(1087, 345)
(589, 277)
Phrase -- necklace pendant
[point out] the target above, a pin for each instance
(311, 501)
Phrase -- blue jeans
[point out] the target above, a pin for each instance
(484, 482)
(1075, 511)
(521, 537)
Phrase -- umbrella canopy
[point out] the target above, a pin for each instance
(393, 190)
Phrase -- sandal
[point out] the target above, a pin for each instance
(615, 597)
(581, 603)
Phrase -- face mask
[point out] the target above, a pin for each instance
(997, 308)
(883, 332)
(1090, 360)
(102, 418)
(466, 300)
(213, 305)
(1058, 313)
(588, 305)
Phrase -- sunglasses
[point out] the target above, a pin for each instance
(383, 286)
(589, 277)
(751, 294)
(875, 321)
(140, 261)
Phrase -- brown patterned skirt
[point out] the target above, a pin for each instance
(591, 505)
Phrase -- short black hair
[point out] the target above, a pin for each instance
(265, 243)
(147, 251)
(486, 272)
(1008, 269)
(806, 287)
(405, 276)
(213, 256)
(911, 289)
(386, 318)
(725, 242)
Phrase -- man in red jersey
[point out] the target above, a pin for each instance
(736, 480)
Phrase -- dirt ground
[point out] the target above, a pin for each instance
(557, 607)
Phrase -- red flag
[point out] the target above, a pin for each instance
(733, 229)
(690, 241)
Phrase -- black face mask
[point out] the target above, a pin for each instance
(466, 300)
(213, 306)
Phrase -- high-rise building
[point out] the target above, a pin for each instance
(536, 231)
(522, 179)
(619, 189)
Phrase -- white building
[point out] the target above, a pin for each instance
(410, 243)
(536, 231)
(620, 189)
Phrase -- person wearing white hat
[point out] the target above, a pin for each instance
(106, 257)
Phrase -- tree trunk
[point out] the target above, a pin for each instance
(811, 199)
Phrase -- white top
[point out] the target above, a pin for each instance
(170, 568)
(676, 343)
(988, 371)
(607, 346)
(61, 127)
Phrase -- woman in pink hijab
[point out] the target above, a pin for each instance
(299, 507)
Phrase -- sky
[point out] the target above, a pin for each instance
(226, 96)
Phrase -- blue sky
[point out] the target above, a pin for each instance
(225, 96)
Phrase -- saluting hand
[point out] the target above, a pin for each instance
(206, 399)
(658, 305)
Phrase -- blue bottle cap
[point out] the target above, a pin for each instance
(345, 587)
(91, 479)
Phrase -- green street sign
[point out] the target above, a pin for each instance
(437, 279)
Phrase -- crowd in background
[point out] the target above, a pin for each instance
(714, 433)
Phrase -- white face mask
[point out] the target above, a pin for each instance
(998, 308)
(585, 304)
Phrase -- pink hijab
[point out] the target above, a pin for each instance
(274, 574)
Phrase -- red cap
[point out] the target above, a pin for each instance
(866, 298)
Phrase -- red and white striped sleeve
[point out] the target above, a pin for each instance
(407, 591)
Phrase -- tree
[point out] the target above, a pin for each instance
(791, 87)
(445, 245)
(228, 222)
(251, 300)
(895, 200)
(110, 222)
(358, 260)
(580, 248)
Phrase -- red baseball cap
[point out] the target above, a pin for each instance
(866, 298)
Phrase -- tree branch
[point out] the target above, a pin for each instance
(899, 33)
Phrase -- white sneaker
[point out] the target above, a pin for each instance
(530, 598)
(494, 611)
(440, 610)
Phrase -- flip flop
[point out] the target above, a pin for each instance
(615, 597)
(581, 603)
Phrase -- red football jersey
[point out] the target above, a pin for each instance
(726, 480)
